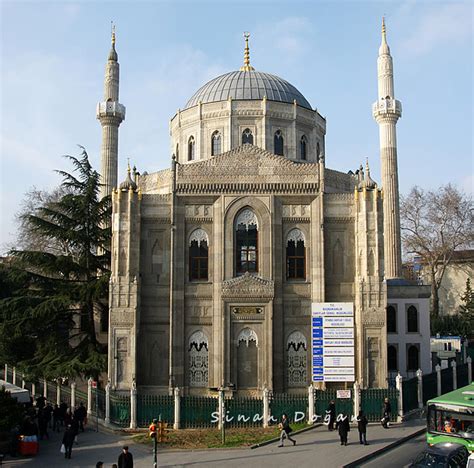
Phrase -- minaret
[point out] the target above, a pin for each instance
(387, 110)
(111, 114)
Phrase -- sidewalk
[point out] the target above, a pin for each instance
(315, 448)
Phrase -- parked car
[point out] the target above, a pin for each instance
(442, 455)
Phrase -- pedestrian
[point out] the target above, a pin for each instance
(80, 414)
(63, 411)
(343, 427)
(42, 424)
(48, 411)
(68, 440)
(67, 417)
(56, 418)
(75, 428)
(99, 464)
(331, 415)
(386, 413)
(285, 430)
(125, 459)
(362, 427)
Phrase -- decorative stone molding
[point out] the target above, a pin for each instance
(339, 219)
(291, 211)
(198, 211)
(295, 235)
(295, 220)
(248, 286)
(374, 317)
(297, 337)
(198, 235)
(199, 337)
(248, 218)
(247, 335)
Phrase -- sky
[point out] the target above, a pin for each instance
(53, 56)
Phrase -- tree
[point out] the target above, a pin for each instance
(466, 309)
(434, 224)
(11, 412)
(47, 320)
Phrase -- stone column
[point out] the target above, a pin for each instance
(23, 381)
(266, 407)
(45, 388)
(438, 379)
(14, 376)
(58, 393)
(107, 403)
(311, 404)
(455, 376)
(357, 402)
(72, 403)
(5, 375)
(33, 390)
(133, 406)
(469, 369)
(419, 375)
(89, 397)
(399, 385)
(177, 408)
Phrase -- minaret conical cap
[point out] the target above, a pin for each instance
(113, 53)
(384, 49)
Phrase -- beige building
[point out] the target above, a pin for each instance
(217, 260)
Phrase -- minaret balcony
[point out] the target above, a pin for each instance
(387, 106)
(110, 109)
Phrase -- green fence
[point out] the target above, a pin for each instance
(294, 406)
(197, 412)
(120, 409)
(324, 397)
(98, 402)
(81, 396)
(372, 399)
(410, 394)
(430, 387)
(446, 380)
(243, 412)
(150, 407)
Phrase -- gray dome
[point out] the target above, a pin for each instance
(248, 85)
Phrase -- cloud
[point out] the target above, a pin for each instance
(447, 24)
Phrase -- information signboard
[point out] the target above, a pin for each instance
(332, 330)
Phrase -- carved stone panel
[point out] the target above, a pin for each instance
(248, 286)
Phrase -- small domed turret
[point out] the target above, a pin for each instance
(365, 181)
(128, 183)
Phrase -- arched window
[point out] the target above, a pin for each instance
(412, 320)
(391, 319)
(303, 148)
(278, 143)
(295, 255)
(296, 359)
(198, 255)
(247, 359)
(191, 146)
(413, 358)
(198, 360)
(247, 136)
(246, 242)
(318, 150)
(392, 358)
(215, 143)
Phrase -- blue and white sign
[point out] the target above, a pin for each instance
(333, 341)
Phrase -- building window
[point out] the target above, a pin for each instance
(318, 150)
(413, 358)
(198, 255)
(198, 363)
(392, 358)
(247, 136)
(412, 320)
(247, 359)
(303, 148)
(215, 143)
(278, 143)
(246, 242)
(191, 146)
(295, 255)
(296, 360)
(391, 319)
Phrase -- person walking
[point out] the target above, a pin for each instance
(331, 415)
(125, 459)
(56, 418)
(285, 430)
(43, 424)
(362, 427)
(68, 440)
(387, 413)
(80, 414)
(343, 427)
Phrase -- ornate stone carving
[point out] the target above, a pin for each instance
(295, 235)
(247, 335)
(374, 317)
(296, 211)
(296, 349)
(198, 350)
(199, 236)
(198, 211)
(248, 286)
(247, 218)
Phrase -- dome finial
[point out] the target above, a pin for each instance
(384, 31)
(112, 26)
(246, 66)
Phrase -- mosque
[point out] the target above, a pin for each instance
(217, 262)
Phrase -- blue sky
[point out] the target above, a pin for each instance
(52, 68)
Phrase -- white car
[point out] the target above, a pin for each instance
(470, 461)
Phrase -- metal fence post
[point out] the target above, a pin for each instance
(469, 369)
(266, 407)
(177, 408)
(133, 406)
(89, 397)
(399, 385)
(45, 388)
(357, 402)
(5, 375)
(58, 393)
(23, 383)
(419, 375)
(107, 403)
(455, 375)
(438, 379)
(72, 403)
(311, 404)
(14, 376)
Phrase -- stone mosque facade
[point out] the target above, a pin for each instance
(217, 260)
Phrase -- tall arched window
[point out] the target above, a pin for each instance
(198, 360)
(215, 143)
(296, 359)
(247, 136)
(412, 320)
(247, 359)
(278, 143)
(191, 146)
(198, 255)
(295, 255)
(392, 358)
(246, 242)
(391, 319)
(303, 148)
(413, 358)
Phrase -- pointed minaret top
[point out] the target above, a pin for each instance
(113, 53)
(384, 48)
(246, 66)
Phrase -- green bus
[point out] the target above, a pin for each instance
(451, 418)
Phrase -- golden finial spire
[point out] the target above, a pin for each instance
(384, 37)
(128, 166)
(367, 170)
(246, 66)
(112, 27)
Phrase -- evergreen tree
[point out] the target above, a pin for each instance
(466, 310)
(47, 319)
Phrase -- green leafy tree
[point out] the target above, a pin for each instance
(11, 412)
(47, 320)
(466, 309)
